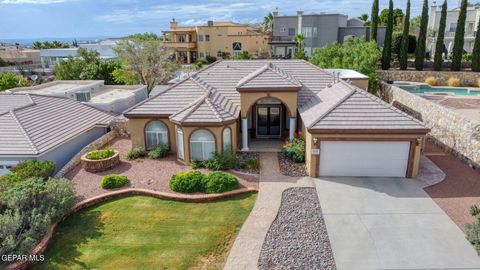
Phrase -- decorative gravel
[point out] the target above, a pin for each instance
(290, 168)
(298, 237)
(245, 156)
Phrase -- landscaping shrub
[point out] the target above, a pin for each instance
(453, 82)
(251, 164)
(432, 81)
(187, 182)
(218, 182)
(224, 161)
(136, 152)
(210, 59)
(100, 154)
(32, 168)
(160, 151)
(28, 208)
(295, 149)
(196, 164)
(113, 181)
(473, 229)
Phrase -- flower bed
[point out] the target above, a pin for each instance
(100, 165)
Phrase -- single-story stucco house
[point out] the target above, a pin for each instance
(227, 105)
(46, 128)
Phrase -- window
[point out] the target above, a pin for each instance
(207, 37)
(219, 54)
(237, 46)
(202, 54)
(236, 53)
(307, 31)
(202, 145)
(283, 29)
(291, 31)
(181, 38)
(156, 133)
(227, 139)
(200, 37)
(181, 151)
(453, 27)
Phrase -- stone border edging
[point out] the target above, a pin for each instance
(42, 245)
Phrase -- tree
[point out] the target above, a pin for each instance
(457, 51)
(404, 45)
(267, 23)
(9, 80)
(299, 40)
(363, 17)
(374, 23)
(49, 45)
(397, 18)
(387, 47)
(147, 60)
(144, 37)
(422, 38)
(439, 46)
(397, 44)
(355, 53)
(476, 51)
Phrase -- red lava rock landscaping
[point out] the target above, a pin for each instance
(143, 173)
(459, 190)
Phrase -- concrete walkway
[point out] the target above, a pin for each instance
(429, 173)
(246, 249)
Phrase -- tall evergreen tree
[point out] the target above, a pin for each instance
(438, 59)
(374, 21)
(422, 38)
(459, 38)
(476, 51)
(404, 46)
(387, 46)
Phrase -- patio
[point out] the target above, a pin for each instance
(265, 145)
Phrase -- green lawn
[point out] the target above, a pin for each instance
(148, 233)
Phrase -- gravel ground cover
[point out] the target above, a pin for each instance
(290, 168)
(297, 238)
(246, 156)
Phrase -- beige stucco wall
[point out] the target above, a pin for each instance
(361, 83)
(247, 99)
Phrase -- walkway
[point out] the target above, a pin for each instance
(246, 249)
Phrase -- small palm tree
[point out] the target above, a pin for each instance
(268, 23)
(299, 40)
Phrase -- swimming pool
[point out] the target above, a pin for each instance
(426, 89)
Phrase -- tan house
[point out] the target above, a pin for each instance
(217, 39)
(238, 105)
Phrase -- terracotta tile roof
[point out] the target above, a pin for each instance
(44, 123)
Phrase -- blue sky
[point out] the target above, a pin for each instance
(89, 18)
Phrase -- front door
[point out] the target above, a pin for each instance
(268, 121)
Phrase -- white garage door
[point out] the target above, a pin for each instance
(361, 158)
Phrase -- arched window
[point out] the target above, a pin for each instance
(181, 151)
(227, 139)
(156, 133)
(237, 46)
(202, 145)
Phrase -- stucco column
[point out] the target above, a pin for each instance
(188, 57)
(293, 125)
(244, 134)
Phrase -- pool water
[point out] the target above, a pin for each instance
(425, 89)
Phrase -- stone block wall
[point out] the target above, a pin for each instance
(466, 78)
(449, 128)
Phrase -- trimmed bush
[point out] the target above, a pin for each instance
(432, 81)
(187, 182)
(100, 154)
(453, 82)
(218, 182)
(160, 151)
(113, 181)
(136, 152)
(32, 168)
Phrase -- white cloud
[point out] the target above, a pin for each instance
(40, 2)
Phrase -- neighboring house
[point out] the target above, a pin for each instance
(110, 98)
(46, 128)
(319, 30)
(217, 39)
(225, 106)
(473, 16)
(17, 55)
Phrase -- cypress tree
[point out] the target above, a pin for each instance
(403, 58)
(459, 38)
(438, 59)
(476, 51)
(387, 46)
(374, 22)
(422, 38)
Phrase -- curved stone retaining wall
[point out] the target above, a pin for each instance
(100, 165)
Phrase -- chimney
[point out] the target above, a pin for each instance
(275, 13)
(173, 24)
(299, 27)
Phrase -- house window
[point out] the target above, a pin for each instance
(291, 31)
(227, 139)
(202, 145)
(283, 29)
(219, 54)
(453, 27)
(207, 37)
(200, 37)
(307, 31)
(181, 38)
(181, 151)
(237, 46)
(156, 133)
(202, 54)
(236, 53)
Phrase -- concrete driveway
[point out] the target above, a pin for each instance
(386, 223)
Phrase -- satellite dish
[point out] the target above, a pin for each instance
(34, 77)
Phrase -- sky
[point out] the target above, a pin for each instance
(114, 18)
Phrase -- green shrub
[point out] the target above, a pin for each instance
(32, 168)
(113, 181)
(473, 229)
(224, 161)
(210, 59)
(136, 152)
(251, 164)
(218, 182)
(158, 152)
(100, 154)
(197, 164)
(187, 182)
(295, 149)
